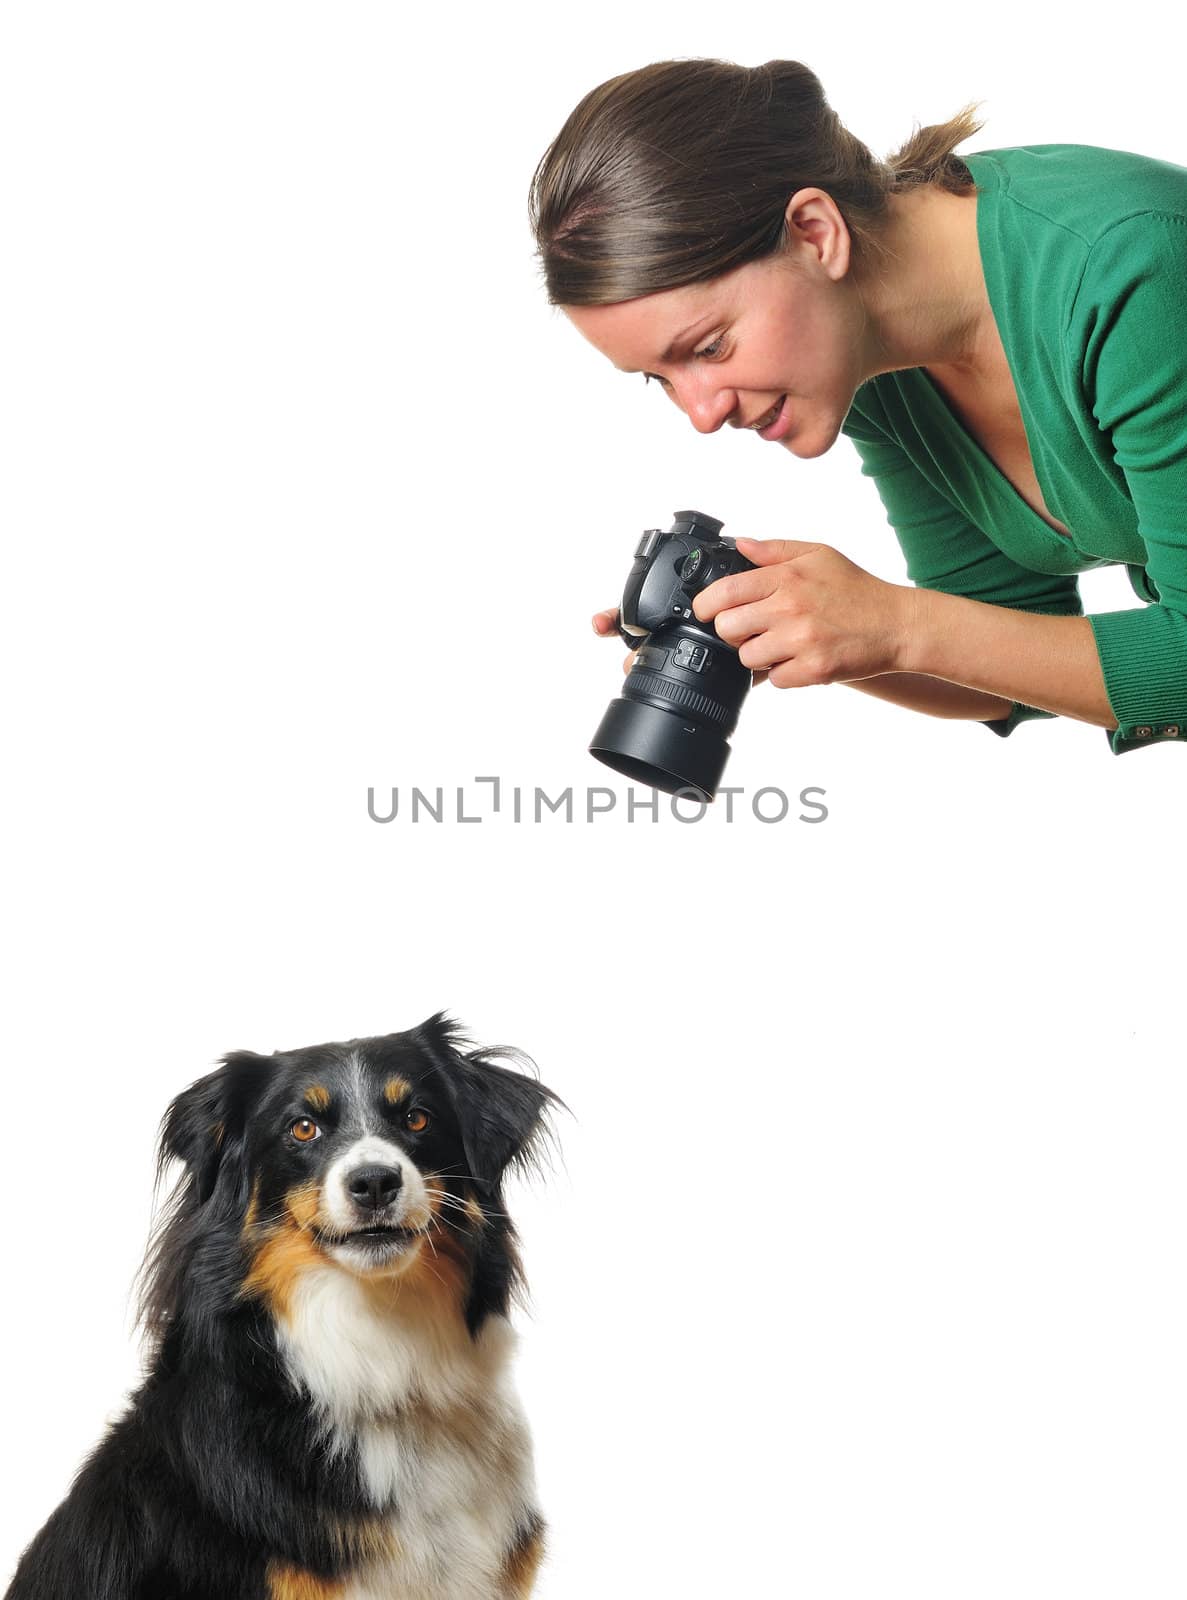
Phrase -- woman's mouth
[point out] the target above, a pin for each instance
(773, 423)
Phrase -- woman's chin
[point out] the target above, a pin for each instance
(807, 444)
(814, 432)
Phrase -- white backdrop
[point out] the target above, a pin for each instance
(861, 1272)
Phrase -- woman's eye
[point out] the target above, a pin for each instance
(416, 1120)
(713, 349)
(304, 1130)
(654, 377)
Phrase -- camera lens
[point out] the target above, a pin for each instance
(670, 727)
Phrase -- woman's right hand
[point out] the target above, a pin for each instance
(605, 624)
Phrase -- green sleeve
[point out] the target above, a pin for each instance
(1128, 325)
(944, 550)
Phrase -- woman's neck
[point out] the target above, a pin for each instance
(925, 298)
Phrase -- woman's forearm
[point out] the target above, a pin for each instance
(1047, 662)
(805, 614)
(934, 697)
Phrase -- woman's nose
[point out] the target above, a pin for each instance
(707, 408)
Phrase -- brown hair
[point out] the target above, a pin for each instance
(682, 170)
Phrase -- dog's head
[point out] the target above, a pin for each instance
(371, 1156)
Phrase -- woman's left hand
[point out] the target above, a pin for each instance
(807, 614)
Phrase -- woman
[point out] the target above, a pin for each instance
(1003, 337)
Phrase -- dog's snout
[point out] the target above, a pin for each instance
(373, 1188)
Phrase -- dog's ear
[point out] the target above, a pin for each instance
(205, 1123)
(500, 1111)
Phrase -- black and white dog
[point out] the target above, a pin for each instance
(328, 1413)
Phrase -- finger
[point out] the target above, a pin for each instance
(764, 652)
(605, 622)
(799, 673)
(766, 552)
(740, 623)
(739, 589)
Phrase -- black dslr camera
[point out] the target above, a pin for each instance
(681, 698)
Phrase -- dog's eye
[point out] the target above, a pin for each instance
(416, 1120)
(304, 1129)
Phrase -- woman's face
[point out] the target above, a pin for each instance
(776, 345)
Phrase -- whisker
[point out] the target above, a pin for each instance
(451, 1200)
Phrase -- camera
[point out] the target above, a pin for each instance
(680, 702)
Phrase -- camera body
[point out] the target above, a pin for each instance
(680, 701)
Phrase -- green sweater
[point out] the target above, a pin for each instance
(1085, 260)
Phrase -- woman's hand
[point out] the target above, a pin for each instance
(606, 624)
(807, 615)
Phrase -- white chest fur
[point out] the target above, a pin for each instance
(431, 1418)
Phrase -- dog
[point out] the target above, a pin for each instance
(327, 1412)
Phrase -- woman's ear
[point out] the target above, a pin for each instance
(813, 222)
(206, 1121)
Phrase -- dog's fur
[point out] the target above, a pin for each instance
(327, 1414)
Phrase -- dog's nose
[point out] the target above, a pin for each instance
(372, 1188)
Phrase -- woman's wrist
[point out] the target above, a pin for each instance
(919, 649)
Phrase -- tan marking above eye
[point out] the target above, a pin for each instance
(304, 1130)
(395, 1090)
(416, 1120)
(318, 1097)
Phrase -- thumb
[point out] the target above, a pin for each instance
(767, 552)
